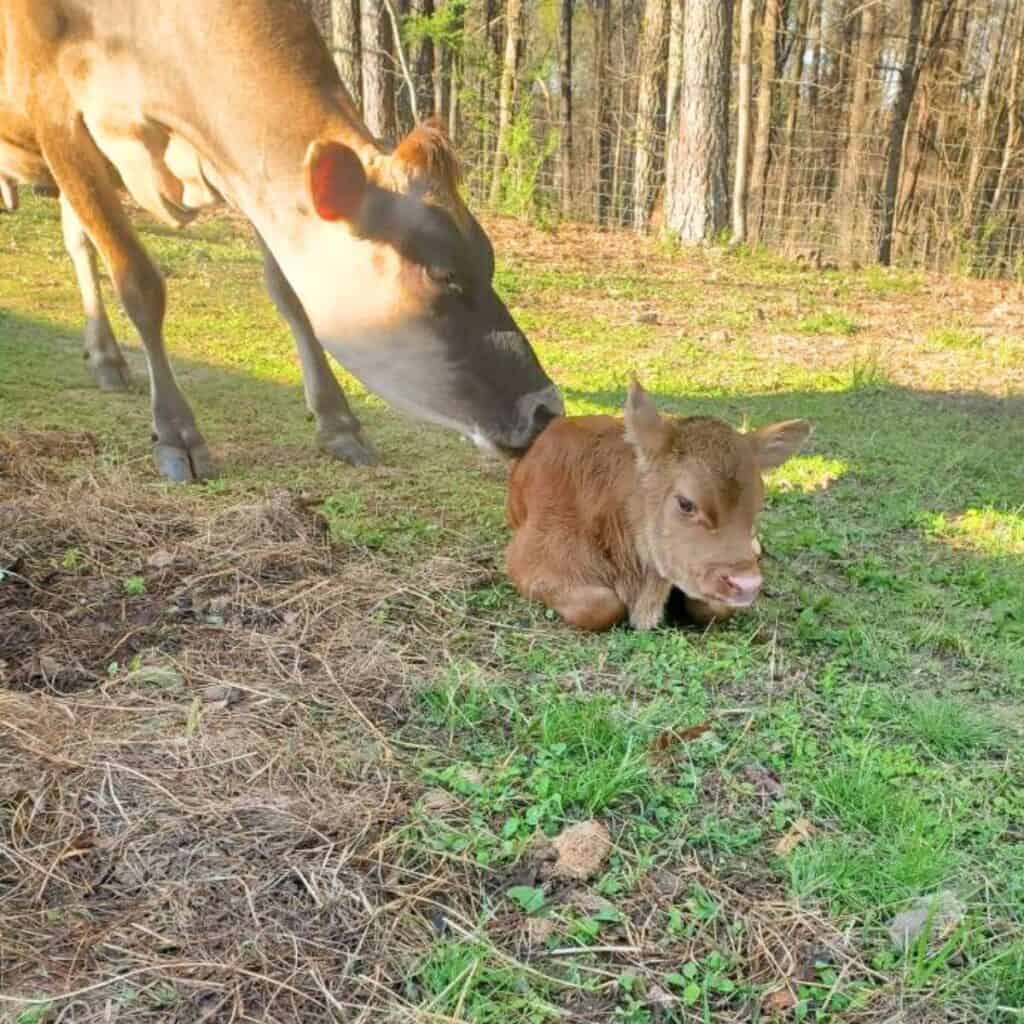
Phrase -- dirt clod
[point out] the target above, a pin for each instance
(582, 849)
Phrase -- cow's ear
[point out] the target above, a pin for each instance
(776, 443)
(646, 431)
(335, 179)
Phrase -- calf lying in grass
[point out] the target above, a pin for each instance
(609, 515)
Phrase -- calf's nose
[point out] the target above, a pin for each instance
(744, 586)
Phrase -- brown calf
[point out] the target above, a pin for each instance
(609, 515)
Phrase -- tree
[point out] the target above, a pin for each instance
(652, 85)
(602, 138)
(850, 176)
(674, 86)
(697, 207)
(565, 105)
(378, 83)
(423, 56)
(741, 183)
(763, 128)
(906, 86)
(506, 92)
(801, 44)
(345, 46)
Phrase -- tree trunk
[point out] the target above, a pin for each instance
(741, 181)
(378, 83)
(651, 65)
(565, 106)
(849, 179)
(1013, 116)
(439, 78)
(675, 83)
(345, 46)
(454, 81)
(423, 62)
(602, 109)
(697, 209)
(897, 129)
(506, 93)
(763, 130)
(792, 115)
(981, 134)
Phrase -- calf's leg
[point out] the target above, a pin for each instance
(338, 432)
(84, 181)
(101, 351)
(588, 606)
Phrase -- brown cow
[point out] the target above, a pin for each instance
(609, 515)
(370, 252)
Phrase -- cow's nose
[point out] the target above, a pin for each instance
(537, 410)
(744, 587)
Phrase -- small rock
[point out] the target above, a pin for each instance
(665, 883)
(581, 898)
(160, 559)
(473, 776)
(658, 997)
(229, 694)
(539, 930)
(582, 849)
(941, 912)
(439, 801)
(764, 780)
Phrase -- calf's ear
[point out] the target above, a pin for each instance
(646, 431)
(776, 443)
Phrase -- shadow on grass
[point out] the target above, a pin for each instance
(881, 507)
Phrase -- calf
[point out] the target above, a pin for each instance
(609, 515)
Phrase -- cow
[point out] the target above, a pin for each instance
(369, 251)
(608, 515)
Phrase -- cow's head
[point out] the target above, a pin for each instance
(701, 493)
(407, 301)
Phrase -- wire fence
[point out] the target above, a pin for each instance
(958, 206)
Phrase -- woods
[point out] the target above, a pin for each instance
(885, 130)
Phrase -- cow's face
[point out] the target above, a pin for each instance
(701, 494)
(407, 301)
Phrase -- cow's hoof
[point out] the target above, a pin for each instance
(183, 465)
(112, 376)
(349, 447)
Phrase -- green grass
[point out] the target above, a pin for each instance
(827, 322)
(956, 338)
(881, 680)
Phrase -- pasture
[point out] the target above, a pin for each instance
(287, 746)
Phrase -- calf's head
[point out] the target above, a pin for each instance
(402, 291)
(700, 493)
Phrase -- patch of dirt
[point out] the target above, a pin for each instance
(198, 784)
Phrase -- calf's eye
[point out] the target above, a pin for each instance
(687, 507)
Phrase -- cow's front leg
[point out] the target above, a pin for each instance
(338, 432)
(101, 350)
(648, 607)
(84, 181)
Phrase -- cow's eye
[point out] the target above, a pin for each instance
(687, 507)
(446, 278)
